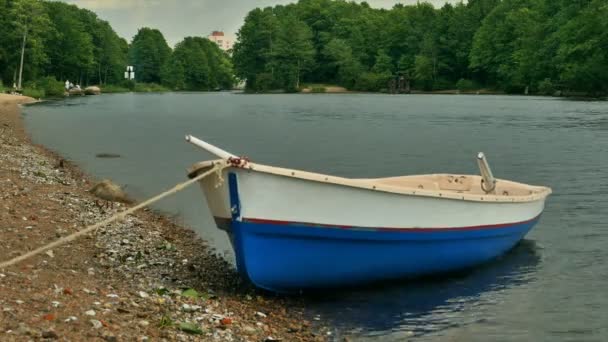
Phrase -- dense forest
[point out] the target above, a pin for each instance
(64, 42)
(516, 46)
(61, 42)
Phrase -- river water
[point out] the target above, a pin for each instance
(551, 287)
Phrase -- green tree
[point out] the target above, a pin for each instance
(109, 50)
(62, 41)
(148, 54)
(582, 57)
(69, 47)
(322, 16)
(4, 41)
(384, 63)
(540, 45)
(405, 65)
(27, 22)
(494, 45)
(292, 54)
(339, 57)
(424, 71)
(252, 51)
(198, 64)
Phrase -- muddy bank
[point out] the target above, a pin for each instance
(144, 278)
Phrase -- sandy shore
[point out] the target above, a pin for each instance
(141, 279)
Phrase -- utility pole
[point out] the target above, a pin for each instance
(22, 55)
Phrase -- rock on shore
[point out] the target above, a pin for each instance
(92, 90)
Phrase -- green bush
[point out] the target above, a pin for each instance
(370, 81)
(514, 88)
(44, 87)
(129, 84)
(443, 84)
(291, 88)
(546, 87)
(51, 87)
(465, 85)
(33, 92)
(264, 82)
(318, 90)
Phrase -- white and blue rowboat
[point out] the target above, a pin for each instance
(293, 230)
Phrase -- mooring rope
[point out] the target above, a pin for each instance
(121, 215)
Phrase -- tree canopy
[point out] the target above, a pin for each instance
(510, 45)
(148, 53)
(198, 64)
(540, 46)
(65, 42)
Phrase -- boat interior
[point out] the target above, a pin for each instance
(460, 184)
(435, 185)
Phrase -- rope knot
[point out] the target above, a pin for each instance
(238, 161)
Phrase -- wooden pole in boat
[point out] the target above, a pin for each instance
(210, 148)
(489, 182)
(121, 215)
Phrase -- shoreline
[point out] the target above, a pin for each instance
(344, 91)
(482, 92)
(125, 282)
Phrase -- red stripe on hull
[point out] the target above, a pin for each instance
(387, 229)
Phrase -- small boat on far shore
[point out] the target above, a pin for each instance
(293, 230)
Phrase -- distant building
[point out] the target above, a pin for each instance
(221, 40)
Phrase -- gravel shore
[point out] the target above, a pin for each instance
(142, 279)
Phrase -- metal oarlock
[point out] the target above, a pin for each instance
(488, 183)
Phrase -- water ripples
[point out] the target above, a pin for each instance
(553, 292)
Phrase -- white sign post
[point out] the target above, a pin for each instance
(130, 73)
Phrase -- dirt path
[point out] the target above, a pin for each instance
(141, 279)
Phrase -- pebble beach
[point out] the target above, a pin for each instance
(141, 279)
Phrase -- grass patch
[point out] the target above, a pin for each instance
(317, 85)
(112, 89)
(190, 328)
(130, 86)
(165, 322)
(192, 293)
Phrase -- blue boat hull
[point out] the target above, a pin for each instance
(291, 257)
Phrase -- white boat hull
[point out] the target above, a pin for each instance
(266, 196)
(293, 230)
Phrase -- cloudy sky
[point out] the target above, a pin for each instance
(180, 18)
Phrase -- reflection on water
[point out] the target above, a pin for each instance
(417, 308)
(558, 143)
